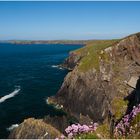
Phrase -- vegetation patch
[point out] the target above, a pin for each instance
(119, 106)
(90, 135)
(103, 130)
(91, 53)
(129, 125)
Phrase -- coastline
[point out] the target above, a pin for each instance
(37, 73)
(62, 42)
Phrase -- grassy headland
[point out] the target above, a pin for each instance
(91, 53)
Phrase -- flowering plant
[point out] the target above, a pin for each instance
(76, 129)
(124, 126)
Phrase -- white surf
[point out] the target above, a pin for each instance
(54, 66)
(12, 127)
(57, 66)
(12, 94)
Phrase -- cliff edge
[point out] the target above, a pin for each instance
(103, 75)
(100, 78)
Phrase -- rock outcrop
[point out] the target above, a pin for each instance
(101, 89)
(71, 61)
(34, 129)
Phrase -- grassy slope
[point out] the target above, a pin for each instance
(91, 53)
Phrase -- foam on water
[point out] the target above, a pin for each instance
(54, 66)
(57, 66)
(12, 94)
(12, 127)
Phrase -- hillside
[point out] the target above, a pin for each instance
(101, 86)
(100, 79)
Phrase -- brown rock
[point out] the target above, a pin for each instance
(71, 61)
(132, 82)
(34, 129)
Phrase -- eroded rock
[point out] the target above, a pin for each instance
(133, 81)
(34, 129)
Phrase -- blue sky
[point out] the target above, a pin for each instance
(68, 20)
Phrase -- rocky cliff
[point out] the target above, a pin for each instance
(71, 61)
(100, 77)
(103, 73)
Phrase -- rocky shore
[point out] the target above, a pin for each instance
(103, 74)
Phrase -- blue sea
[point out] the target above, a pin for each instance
(28, 75)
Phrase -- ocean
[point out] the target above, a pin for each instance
(28, 75)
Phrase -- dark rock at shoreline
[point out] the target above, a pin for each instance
(59, 122)
(71, 61)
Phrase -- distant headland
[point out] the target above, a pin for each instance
(47, 41)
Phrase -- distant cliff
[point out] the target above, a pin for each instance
(48, 41)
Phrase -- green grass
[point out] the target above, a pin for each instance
(103, 130)
(119, 107)
(91, 54)
(90, 135)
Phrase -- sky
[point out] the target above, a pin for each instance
(68, 20)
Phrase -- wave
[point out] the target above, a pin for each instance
(57, 66)
(12, 127)
(12, 94)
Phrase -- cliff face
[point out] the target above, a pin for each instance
(71, 61)
(98, 84)
(103, 74)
